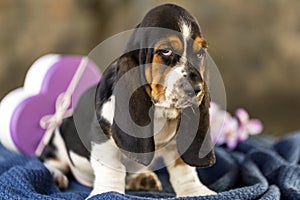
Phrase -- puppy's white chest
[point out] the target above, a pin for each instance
(165, 125)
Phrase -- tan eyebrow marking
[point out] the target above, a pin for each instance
(199, 43)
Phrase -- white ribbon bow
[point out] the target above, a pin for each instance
(52, 121)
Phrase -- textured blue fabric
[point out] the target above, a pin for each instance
(257, 169)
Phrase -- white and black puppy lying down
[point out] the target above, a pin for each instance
(168, 108)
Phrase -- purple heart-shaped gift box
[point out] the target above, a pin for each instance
(22, 109)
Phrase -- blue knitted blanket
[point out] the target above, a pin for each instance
(257, 169)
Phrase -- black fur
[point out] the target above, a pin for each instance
(196, 149)
(140, 148)
(72, 140)
(167, 16)
(49, 151)
(103, 93)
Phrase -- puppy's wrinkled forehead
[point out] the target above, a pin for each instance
(177, 42)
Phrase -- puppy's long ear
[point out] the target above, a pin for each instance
(193, 140)
(132, 128)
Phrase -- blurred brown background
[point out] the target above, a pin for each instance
(255, 44)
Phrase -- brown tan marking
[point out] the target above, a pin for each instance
(179, 162)
(171, 41)
(156, 82)
(198, 44)
(156, 75)
(158, 92)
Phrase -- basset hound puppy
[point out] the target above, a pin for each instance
(153, 101)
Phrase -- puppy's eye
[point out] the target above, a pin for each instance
(166, 52)
(201, 53)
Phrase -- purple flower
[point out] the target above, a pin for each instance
(231, 137)
(247, 126)
(230, 130)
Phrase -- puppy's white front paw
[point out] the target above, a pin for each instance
(200, 191)
(96, 191)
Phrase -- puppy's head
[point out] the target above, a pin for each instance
(176, 69)
(172, 76)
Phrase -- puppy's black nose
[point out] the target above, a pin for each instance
(197, 89)
(193, 91)
(190, 89)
